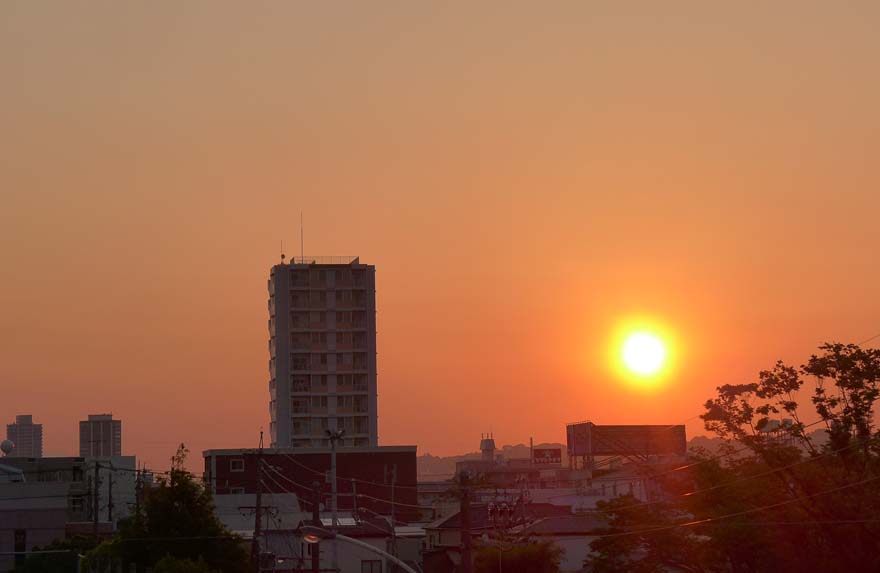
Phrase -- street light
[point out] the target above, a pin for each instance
(313, 534)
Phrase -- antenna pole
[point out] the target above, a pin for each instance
(302, 248)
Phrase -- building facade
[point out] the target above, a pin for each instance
(26, 436)
(47, 499)
(100, 436)
(368, 479)
(322, 352)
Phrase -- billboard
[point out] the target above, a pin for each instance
(588, 439)
(578, 438)
(547, 456)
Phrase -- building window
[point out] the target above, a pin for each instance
(301, 384)
(300, 361)
(301, 427)
(371, 566)
(236, 490)
(236, 465)
(301, 405)
(77, 504)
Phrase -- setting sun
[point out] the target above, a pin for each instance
(643, 353)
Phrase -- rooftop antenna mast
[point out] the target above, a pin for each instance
(302, 250)
(282, 252)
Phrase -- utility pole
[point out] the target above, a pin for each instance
(393, 567)
(138, 492)
(110, 496)
(316, 519)
(467, 564)
(258, 511)
(334, 436)
(96, 500)
(354, 498)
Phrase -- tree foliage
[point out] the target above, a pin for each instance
(539, 557)
(58, 562)
(176, 525)
(782, 502)
(169, 564)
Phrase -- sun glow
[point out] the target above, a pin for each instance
(642, 352)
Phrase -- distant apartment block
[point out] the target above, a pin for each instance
(322, 352)
(27, 437)
(100, 436)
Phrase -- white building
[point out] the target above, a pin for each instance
(322, 352)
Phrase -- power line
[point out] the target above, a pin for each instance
(387, 501)
(732, 482)
(740, 513)
(869, 339)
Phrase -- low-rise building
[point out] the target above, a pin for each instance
(571, 533)
(370, 478)
(48, 499)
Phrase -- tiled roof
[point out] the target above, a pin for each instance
(566, 525)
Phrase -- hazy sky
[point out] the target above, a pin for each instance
(523, 175)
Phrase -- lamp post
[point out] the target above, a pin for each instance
(313, 534)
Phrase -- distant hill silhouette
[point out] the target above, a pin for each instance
(443, 467)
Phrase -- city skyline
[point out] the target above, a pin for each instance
(524, 181)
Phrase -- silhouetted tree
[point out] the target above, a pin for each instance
(58, 562)
(176, 521)
(539, 557)
(170, 564)
(784, 503)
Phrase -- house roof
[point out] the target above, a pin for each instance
(566, 525)
(365, 528)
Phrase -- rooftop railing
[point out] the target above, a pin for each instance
(324, 260)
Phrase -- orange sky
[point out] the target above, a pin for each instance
(522, 176)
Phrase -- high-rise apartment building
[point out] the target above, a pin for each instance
(26, 436)
(100, 436)
(322, 352)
